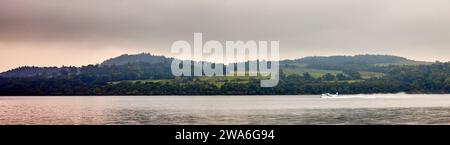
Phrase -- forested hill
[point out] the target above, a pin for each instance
(33, 71)
(145, 74)
(143, 57)
(312, 60)
(365, 59)
(357, 62)
(139, 66)
(145, 64)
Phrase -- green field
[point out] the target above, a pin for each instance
(302, 68)
(299, 69)
(367, 74)
(216, 80)
(316, 73)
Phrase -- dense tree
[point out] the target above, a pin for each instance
(307, 76)
(328, 77)
(341, 77)
(353, 74)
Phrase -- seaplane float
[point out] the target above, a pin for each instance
(328, 95)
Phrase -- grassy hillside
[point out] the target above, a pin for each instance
(218, 81)
(144, 65)
(300, 69)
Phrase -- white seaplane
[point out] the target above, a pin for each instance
(328, 95)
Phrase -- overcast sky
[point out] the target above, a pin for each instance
(80, 32)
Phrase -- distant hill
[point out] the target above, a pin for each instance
(146, 65)
(124, 67)
(146, 74)
(357, 59)
(357, 62)
(33, 71)
(143, 57)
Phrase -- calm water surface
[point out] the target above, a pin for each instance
(351, 109)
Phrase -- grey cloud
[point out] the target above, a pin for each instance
(304, 27)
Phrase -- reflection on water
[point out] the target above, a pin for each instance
(358, 109)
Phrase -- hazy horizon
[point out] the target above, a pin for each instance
(82, 32)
